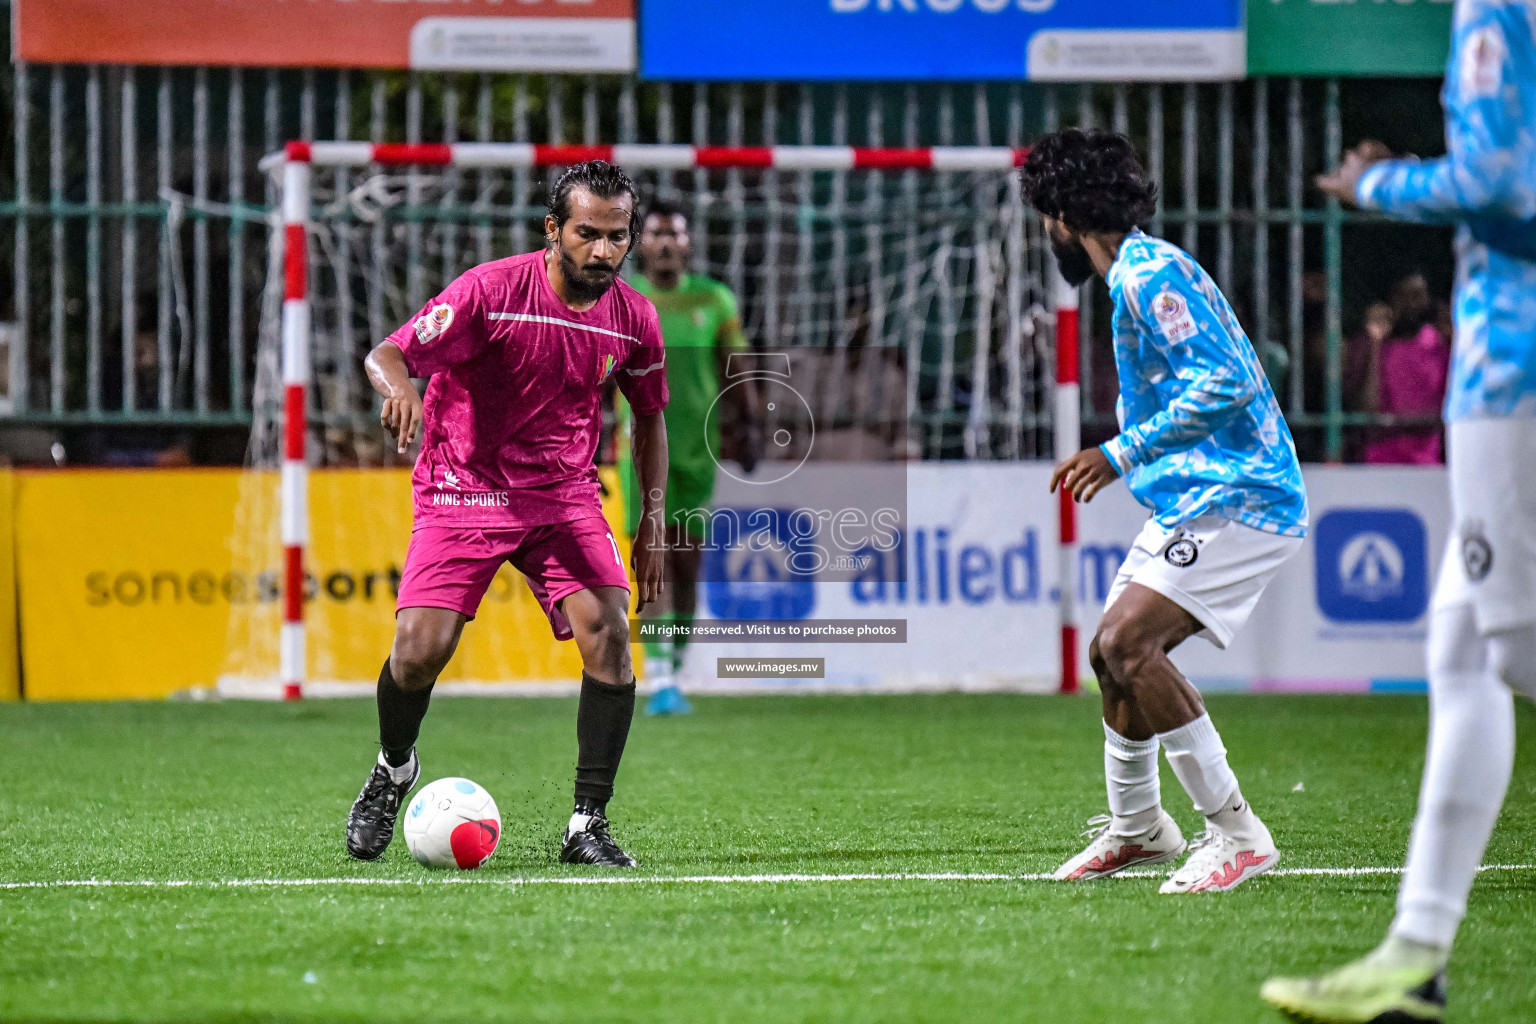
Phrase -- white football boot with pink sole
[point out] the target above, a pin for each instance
(1219, 862)
(1108, 854)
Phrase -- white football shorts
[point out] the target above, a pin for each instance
(1490, 555)
(1212, 567)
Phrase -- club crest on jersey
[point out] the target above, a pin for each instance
(1476, 552)
(431, 324)
(1182, 553)
(606, 369)
(1482, 67)
(1172, 314)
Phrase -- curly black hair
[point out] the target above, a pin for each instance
(599, 177)
(1091, 180)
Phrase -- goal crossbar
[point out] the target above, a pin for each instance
(649, 156)
(293, 165)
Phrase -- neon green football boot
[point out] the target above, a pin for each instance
(1400, 982)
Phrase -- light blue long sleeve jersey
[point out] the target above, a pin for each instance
(1486, 182)
(1201, 432)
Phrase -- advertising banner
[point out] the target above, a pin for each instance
(124, 580)
(137, 584)
(979, 594)
(10, 637)
(941, 40)
(133, 584)
(1327, 37)
(466, 35)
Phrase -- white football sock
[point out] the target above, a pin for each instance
(1471, 755)
(402, 774)
(579, 820)
(1200, 761)
(1130, 775)
(1236, 818)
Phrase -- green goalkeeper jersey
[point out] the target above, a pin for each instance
(699, 323)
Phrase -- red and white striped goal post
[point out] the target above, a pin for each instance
(297, 158)
(650, 156)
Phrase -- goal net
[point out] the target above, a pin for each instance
(912, 282)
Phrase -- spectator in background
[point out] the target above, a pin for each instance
(1398, 368)
(1444, 319)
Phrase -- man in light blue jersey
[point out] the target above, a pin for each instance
(1203, 445)
(1482, 633)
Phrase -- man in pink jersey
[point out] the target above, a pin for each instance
(517, 352)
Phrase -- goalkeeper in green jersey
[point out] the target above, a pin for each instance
(701, 327)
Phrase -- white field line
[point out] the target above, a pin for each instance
(778, 879)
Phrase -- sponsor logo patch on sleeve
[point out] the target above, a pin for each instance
(1172, 315)
(1482, 63)
(431, 324)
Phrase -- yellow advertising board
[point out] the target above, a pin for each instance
(10, 655)
(146, 583)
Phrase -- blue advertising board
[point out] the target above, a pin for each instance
(942, 40)
(1372, 565)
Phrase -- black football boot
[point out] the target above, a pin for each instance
(593, 845)
(371, 823)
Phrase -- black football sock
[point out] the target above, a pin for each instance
(400, 715)
(602, 726)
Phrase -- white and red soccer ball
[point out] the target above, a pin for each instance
(452, 823)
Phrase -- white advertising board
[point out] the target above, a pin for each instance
(979, 599)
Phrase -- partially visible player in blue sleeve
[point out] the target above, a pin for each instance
(1201, 433)
(1486, 177)
(1486, 183)
(1482, 624)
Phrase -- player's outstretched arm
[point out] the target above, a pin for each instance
(650, 555)
(1483, 173)
(402, 412)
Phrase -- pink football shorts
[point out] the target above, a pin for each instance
(452, 567)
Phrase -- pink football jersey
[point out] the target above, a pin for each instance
(513, 408)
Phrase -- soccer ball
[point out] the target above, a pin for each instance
(452, 823)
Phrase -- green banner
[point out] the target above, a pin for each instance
(1349, 37)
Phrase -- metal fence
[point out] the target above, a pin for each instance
(134, 231)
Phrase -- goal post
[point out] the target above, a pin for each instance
(295, 468)
(648, 156)
(1032, 286)
(1068, 435)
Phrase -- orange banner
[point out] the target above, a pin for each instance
(466, 35)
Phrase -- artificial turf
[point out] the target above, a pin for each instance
(880, 785)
